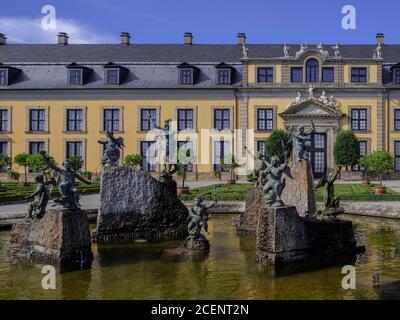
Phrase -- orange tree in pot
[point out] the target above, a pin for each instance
(185, 160)
(346, 150)
(229, 163)
(22, 160)
(378, 163)
(5, 165)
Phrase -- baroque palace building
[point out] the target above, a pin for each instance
(62, 97)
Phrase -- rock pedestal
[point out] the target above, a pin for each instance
(134, 205)
(255, 204)
(284, 237)
(299, 192)
(196, 244)
(61, 237)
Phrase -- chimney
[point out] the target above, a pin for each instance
(241, 38)
(63, 38)
(125, 38)
(188, 37)
(3, 39)
(380, 38)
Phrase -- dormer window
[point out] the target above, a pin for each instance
(77, 74)
(114, 74)
(75, 77)
(187, 73)
(224, 74)
(3, 77)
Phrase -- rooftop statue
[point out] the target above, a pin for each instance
(69, 196)
(286, 49)
(41, 197)
(331, 201)
(302, 141)
(274, 186)
(336, 49)
(112, 149)
(311, 92)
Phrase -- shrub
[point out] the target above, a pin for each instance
(134, 160)
(38, 162)
(22, 160)
(378, 163)
(77, 162)
(5, 163)
(346, 150)
(275, 144)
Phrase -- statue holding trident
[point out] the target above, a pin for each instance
(302, 139)
(164, 133)
(112, 149)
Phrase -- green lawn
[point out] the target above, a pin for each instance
(15, 191)
(355, 192)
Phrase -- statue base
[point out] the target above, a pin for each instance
(61, 237)
(283, 237)
(330, 214)
(199, 243)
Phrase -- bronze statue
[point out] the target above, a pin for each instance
(112, 149)
(199, 217)
(69, 196)
(302, 139)
(259, 165)
(41, 196)
(273, 188)
(167, 179)
(331, 201)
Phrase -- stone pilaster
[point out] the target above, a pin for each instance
(381, 123)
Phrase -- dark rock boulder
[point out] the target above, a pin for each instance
(255, 204)
(134, 205)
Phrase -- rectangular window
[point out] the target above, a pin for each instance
(145, 152)
(112, 76)
(74, 120)
(4, 148)
(187, 145)
(185, 119)
(3, 120)
(397, 154)
(265, 119)
(359, 75)
(74, 149)
(328, 74)
(221, 150)
(362, 145)
(297, 74)
(186, 76)
(111, 120)
(36, 147)
(397, 76)
(265, 74)
(3, 77)
(145, 123)
(75, 77)
(222, 119)
(37, 120)
(359, 119)
(223, 76)
(261, 146)
(397, 120)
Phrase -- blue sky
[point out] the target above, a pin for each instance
(210, 21)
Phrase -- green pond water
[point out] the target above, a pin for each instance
(149, 271)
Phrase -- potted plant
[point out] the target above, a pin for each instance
(378, 163)
(22, 160)
(365, 179)
(229, 163)
(346, 151)
(38, 162)
(87, 175)
(134, 160)
(217, 174)
(184, 160)
(13, 175)
(77, 164)
(5, 164)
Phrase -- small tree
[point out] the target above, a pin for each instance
(275, 144)
(22, 160)
(134, 160)
(184, 159)
(346, 150)
(38, 162)
(378, 163)
(5, 163)
(229, 163)
(77, 162)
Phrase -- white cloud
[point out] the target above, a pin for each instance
(26, 30)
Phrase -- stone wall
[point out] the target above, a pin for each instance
(135, 205)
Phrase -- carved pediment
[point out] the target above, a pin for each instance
(311, 108)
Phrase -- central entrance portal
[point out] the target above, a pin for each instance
(318, 154)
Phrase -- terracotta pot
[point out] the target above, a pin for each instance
(380, 190)
(366, 181)
(25, 184)
(181, 190)
(230, 182)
